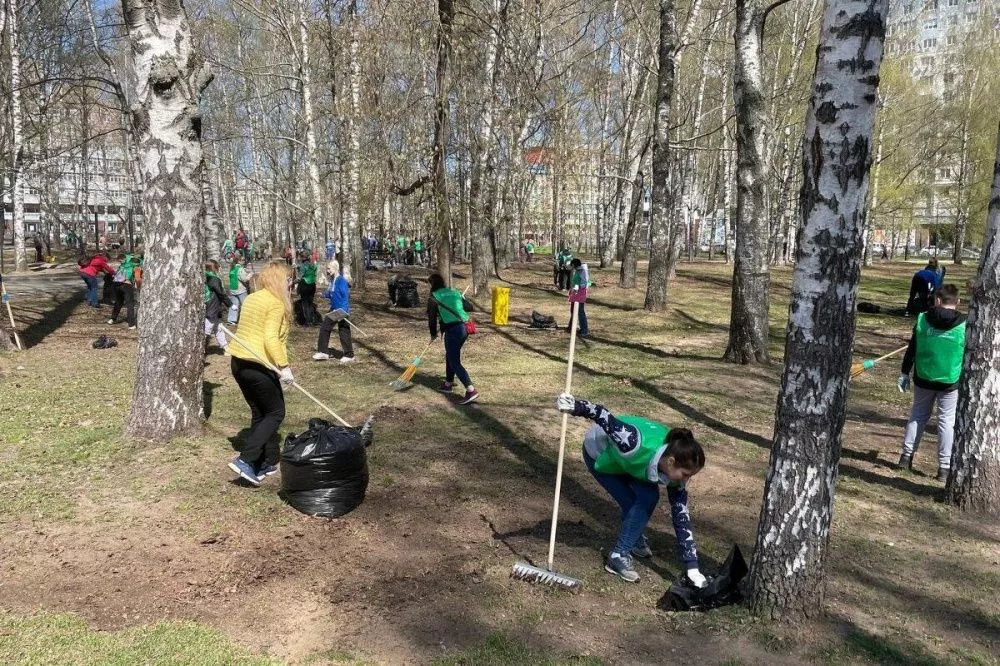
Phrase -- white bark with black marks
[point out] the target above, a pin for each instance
(442, 86)
(169, 77)
(353, 260)
(748, 317)
(788, 569)
(17, 133)
(974, 484)
(661, 255)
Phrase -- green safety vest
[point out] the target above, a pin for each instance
(401, 241)
(418, 246)
(564, 259)
(450, 307)
(939, 353)
(642, 463)
(208, 292)
(309, 273)
(234, 278)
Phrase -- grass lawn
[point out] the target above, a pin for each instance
(118, 553)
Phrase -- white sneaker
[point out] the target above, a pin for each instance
(111, 321)
(131, 328)
(320, 356)
(345, 360)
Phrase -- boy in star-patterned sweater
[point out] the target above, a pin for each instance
(630, 456)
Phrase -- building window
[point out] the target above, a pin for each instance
(951, 40)
(949, 78)
(908, 8)
(930, 42)
(953, 3)
(930, 24)
(927, 61)
(930, 5)
(953, 20)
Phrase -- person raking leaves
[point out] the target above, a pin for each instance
(630, 457)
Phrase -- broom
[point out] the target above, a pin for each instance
(859, 369)
(546, 576)
(404, 379)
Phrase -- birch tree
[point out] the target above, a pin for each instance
(660, 254)
(17, 132)
(446, 16)
(169, 79)
(974, 482)
(788, 569)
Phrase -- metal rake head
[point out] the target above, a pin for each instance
(532, 574)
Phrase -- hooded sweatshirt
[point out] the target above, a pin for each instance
(939, 321)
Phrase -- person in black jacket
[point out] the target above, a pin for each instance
(923, 285)
(217, 301)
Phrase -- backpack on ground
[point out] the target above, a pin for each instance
(538, 320)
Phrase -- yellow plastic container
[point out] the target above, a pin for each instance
(501, 305)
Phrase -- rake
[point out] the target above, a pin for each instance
(547, 576)
(859, 369)
(275, 370)
(13, 326)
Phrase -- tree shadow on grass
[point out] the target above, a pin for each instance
(51, 320)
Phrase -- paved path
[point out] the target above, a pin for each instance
(29, 285)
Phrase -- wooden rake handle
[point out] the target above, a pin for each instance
(275, 370)
(562, 436)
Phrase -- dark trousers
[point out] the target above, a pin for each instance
(582, 323)
(262, 391)
(563, 278)
(124, 295)
(343, 330)
(307, 294)
(91, 282)
(38, 254)
(454, 337)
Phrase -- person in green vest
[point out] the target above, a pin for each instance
(630, 457)
(307, 288)
(935, 355)
(529, 251)
(125, 284)
(400, 248)
(237, 281)
(418, 251)
(563, 269)
(446, 304)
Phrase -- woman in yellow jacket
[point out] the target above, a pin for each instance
(265, 319)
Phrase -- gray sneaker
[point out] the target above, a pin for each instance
(641, 549)
(621, 566)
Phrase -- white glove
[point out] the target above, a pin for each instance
(565, 403)
(904, 383)
(696, 578)
(286, 377)
(234, 307)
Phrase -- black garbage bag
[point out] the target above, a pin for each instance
(722, 590)
(406, 294)
(324, 471)
(865, 307)
(538, 320)
(104, 342)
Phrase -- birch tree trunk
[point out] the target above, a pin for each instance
(974, 483)
(788, 569)
(964, 186)
(630, 251)
(352, 260)
(442, 85)
(480, 205)
(312, 152)
(605, 239)
(876, 172)
(17, 133)
(748, 317)
(661, 255)
(169, 78)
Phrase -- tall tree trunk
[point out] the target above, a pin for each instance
(213, 232)
(748, 318)
(630, 251)
(788, 569)
(974, 484)
(353, 261)
(964, 184)
(442, 85)
(876, 172)
(604, 226)
(480, 205)
(316, 216)
(169, 76)
(661, 256)
(17, 133)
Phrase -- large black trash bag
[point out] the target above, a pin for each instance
(324, 471)
(722, 590)
(105, 342)
(406, 294)
(539, 320)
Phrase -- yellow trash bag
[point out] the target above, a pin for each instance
(501, 305)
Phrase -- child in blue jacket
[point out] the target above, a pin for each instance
(339, 295)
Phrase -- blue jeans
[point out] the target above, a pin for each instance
(454, 338)
(91, 282)
(237, 297)
(637, 500)
(581, 325)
